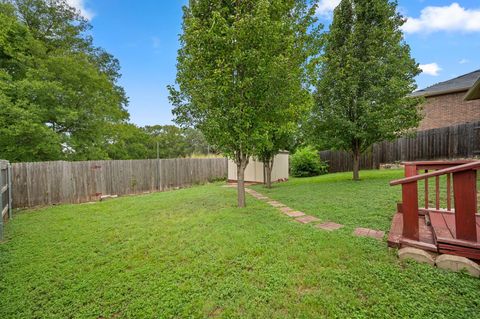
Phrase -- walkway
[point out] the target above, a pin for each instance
(303, 218)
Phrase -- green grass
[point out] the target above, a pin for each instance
(369, 203)
(191, 254)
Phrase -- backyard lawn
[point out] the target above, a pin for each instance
(191, 254)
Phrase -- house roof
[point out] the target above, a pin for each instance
(458, 84)
(474, 92)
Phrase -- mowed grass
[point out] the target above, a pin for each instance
(369, 203)
(191, 254)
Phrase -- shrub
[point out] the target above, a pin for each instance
(306, 162)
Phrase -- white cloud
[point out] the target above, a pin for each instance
(80, 6)
(447, 18)
(430, 68)
(326, 7)
(463, 61)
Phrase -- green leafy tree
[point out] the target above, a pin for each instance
(237, 63)
(62, 88)
(128, 141)
(281, 125)
(365, 77)
(169, 139)
(276, 139)
(23, 136)
(197, 144)
(54, 23)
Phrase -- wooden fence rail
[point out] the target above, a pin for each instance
(458, 141)
(47, 183)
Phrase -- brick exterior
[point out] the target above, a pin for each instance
(448, 109)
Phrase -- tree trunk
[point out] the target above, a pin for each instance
(268, 165)
(241, 162)
(356, 164)
(264, 172)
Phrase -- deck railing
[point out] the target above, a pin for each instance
(464, 176)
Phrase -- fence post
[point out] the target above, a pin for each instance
(10, 201)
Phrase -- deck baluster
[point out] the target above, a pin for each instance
(426, 190)
(437, 192)
(449, 194)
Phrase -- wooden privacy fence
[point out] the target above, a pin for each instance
(458, 141)
(46, 183)
(5, 193)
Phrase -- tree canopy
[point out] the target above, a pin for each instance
(59, 94)
(240, 64)
(59, 91)
(364, 79)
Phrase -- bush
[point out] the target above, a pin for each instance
(306, 162)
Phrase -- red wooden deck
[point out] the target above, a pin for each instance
(450, 230)
(439, 237)
(443, 225)
(396, 239)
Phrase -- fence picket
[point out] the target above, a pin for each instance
(46, 183)
(459, 141)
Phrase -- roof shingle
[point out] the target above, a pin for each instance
(458, 84)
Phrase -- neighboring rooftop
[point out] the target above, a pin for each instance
(458, 84)
(474, 92)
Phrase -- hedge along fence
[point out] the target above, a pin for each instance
(458, 141)
(47, 183)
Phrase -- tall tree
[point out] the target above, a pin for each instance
(23, 136)
(238, 61)
(365, 77)
(128, 141)
(58, 83)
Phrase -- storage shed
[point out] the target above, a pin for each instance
(254, 170)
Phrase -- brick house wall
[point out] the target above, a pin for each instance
(448, 109)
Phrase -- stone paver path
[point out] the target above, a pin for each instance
(295, 213)
(366, 232)
(276, 204)
(286, 209)
(306, 219)
(329, 226)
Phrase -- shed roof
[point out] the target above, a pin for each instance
(458, 84)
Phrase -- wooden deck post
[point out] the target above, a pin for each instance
(410, 205)
(465, 195)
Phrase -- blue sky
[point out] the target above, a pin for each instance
(444, 37)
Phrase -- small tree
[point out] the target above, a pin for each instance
(273, 143)
(365, 77)
(279, 136)
(239, 63)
